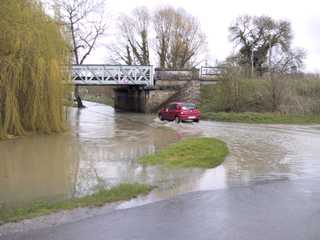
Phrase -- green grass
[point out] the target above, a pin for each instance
(191, 152)
(121, 192)
(99, 99)
(266, 118)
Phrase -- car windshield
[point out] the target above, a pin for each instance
(188, 106)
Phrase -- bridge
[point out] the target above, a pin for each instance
(113, 75)
(142, 88)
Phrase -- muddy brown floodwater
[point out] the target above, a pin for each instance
(102, 148)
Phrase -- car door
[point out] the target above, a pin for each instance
(165, 113)
(172, 111)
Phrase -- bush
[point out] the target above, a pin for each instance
(286, 94)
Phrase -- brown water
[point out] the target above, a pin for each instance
(102, 147)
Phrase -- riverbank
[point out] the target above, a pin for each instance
(121, 192)
(191, 152)
(99, 99)
(263, 118)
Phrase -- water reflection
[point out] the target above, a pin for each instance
(108, 157)
(258, 154)
(102, 147)
(35, 168)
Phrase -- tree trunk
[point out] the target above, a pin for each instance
(76, 57)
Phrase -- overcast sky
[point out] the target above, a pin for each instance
(216, 16)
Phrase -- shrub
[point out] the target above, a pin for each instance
(287, 94)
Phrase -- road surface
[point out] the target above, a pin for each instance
(270, 210)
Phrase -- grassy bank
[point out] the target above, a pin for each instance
(238, 97)
(266, 118)
(99, 99)
(119, 193)
(192, 152)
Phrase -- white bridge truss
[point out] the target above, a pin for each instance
(112, 75)
(211, 71)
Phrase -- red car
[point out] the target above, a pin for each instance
(180, 111)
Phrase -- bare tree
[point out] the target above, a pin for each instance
(287, 62)
(179, 39)
(256, 37)
(132, 45)
(84, 20)
(163, 24)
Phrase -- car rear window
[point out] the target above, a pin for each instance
(188, 106)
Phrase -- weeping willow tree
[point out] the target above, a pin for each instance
(33, 52)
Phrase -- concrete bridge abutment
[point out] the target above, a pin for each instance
(170, 85)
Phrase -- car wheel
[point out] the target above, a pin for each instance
(161, 118)
(177, 120)
(197, 120)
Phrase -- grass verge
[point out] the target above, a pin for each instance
(267, 118)
(191, 152)
(121, 192)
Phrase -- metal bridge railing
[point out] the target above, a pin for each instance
(112, 75)
(211, 71)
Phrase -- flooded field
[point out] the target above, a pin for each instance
(102, 147)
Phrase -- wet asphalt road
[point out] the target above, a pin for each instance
(265, 211)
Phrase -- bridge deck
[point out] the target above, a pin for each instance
(112, 75)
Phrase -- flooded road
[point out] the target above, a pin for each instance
(102, 147)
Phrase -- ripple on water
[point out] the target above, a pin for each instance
(103, 147)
